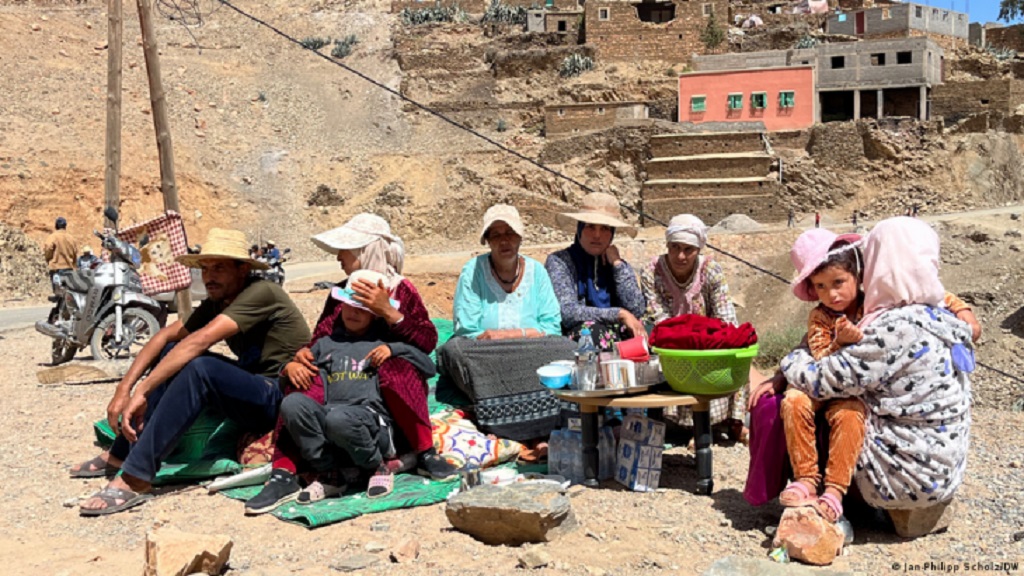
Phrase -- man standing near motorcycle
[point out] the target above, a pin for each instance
(60, 252)
(272, 253)
(261, 326)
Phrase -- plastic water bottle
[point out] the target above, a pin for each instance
(555, 451)
(606, 449)
(586, 362)
(578, 475)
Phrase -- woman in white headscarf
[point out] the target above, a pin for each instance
(910, 369)
(365, 242)
(684, 280)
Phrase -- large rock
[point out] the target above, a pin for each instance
(740, 566)
(921, 521)
(808, 537)
(512, 515)
(173, 553)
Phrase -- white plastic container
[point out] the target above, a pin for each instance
(617, 374)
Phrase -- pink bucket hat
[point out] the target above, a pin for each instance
(809, 251)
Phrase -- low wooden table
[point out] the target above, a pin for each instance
(654, 402)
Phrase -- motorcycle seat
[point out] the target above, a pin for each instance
(79, 280)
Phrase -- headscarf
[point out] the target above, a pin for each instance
(595, 279)
(384, 256)
(687, 229)
(901, 267)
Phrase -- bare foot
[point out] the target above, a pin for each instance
(122, 482)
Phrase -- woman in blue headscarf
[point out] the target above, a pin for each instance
(595, 287)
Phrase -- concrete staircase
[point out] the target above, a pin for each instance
(712, 176)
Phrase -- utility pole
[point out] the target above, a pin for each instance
(112, 172)
(158, 100)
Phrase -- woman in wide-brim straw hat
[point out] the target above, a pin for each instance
(594, 285)
(684, 280)
(366, 242)
(507, 324)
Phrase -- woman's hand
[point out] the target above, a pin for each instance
(611, 255)
(773, 385)
(376, 298)
(636, 327)
(378, 355)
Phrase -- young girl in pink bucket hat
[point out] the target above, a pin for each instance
(829, 271)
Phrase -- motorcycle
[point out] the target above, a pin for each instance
(105, 307)
(276, 271)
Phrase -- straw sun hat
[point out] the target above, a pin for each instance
(221, 243)
(597, 208)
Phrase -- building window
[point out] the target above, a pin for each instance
(759, 100)
(656, 12)
(878, 59)
(945, 15)
(562, 26)
(600, 111)
(602, 14)
(885, 14)
(838, 62)
(735, 101)
(935, 12)
(904, 57)
(698, 103)
(787, 99)
(918, 12)
(707, 9)
(561, 111)
(842, 17)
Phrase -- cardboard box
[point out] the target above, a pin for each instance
(638, 466)
(643, 430)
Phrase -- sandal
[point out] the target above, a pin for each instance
(317, 491)
(381, 484)
(830, 507)
(95, 468)
(796, 494)
(110, 496)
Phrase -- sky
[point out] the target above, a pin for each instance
(978, 10)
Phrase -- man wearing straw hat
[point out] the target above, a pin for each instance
(261, 326)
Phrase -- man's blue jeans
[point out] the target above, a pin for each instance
(211, 381)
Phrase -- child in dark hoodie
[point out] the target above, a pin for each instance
(352, 426)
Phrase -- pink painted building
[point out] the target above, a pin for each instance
(782, 98)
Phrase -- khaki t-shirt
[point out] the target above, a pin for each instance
(271, 328)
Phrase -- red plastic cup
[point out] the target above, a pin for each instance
(634, 349)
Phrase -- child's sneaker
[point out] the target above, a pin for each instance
(282, 487)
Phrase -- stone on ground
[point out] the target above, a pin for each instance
(808, 537)
(407, 551)
(354, 563)
(534, 558)
(740, 566)
(918, 522)
(174, 553)
(512, 515)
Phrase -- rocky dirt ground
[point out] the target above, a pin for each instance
(673, 531)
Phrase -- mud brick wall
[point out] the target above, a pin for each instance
(702, 167)
(763, 208)
(836, 144)
(1009, 37)
(999, 97)
(624, 37)
(669, 146)
(790, 140)
(568, 119)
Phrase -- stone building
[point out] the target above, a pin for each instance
(564, 119)
(999, 97)
(1011, 37)
(621, 30)
(867, 79)
(945, 27)
(562, 22)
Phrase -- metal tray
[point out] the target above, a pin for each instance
(570, 394)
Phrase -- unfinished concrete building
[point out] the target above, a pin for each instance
(623, 30)
(562, 22)
(945, 27)
(868, 79)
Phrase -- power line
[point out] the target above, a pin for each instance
(503, 147)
